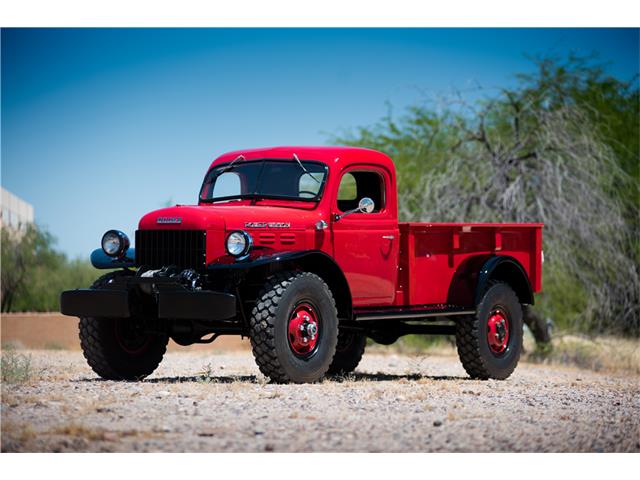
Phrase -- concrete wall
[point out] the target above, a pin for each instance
(15, 211)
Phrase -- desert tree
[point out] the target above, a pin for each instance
(518, 164)
(34, 272)
(547, 151)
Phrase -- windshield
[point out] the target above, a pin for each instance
(278, 179)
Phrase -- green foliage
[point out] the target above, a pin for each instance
(34, 273)
(436, 133)
(611, 104)
(563, 298)
(562, 148)
(612, 107)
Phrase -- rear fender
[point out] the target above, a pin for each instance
(505, 269)
(473, 275)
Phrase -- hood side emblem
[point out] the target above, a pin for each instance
(169, 220)
(267, 225)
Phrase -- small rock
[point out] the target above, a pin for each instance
(268, 448)
(258, 432)
(437, 423)
(110, 436)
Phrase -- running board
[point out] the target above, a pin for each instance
(408, 314)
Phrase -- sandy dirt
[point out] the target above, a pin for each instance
(54, 331)
(202, 401)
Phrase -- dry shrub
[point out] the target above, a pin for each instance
(603, 354)
(16, 367)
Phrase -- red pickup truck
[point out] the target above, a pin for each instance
(300, 249)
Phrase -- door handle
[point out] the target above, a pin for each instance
(388, 237)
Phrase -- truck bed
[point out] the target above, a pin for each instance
(439, 261)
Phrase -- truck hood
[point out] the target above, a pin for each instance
(230, 217)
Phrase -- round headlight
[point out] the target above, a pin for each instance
(115, 243)
(239, 243)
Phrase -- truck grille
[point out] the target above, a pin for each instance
(160, 248)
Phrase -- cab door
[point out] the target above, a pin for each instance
(366, 245)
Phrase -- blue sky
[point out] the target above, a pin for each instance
(101, 126)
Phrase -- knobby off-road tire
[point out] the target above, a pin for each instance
(286, 300)
(112, 350)
(349, 352)
(481, 356)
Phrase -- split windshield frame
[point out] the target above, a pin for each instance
(230, 166)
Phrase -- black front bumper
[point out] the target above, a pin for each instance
(176, 303)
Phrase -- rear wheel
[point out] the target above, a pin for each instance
(489, 343)
(349, 352)
(120, 348)
(294, 328)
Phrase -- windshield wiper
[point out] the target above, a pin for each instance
(244, 196)
(213, 174)
(230, 166)
(221, 199)
(305, 170)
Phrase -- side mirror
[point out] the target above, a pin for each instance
(365, 205)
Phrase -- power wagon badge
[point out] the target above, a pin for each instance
(267, 225)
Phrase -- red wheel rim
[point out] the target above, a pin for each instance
(498, 331)
(303, 330)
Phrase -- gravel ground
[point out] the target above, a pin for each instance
(200, 401)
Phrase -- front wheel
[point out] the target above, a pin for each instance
(489, 343)
(120, 348)
(294, 328)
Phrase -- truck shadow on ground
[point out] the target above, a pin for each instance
(352, 377)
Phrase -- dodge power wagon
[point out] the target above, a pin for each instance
(300, 250)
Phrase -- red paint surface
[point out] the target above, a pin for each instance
(498, 331)
(432, 253)
(303, 330)
(385, 263)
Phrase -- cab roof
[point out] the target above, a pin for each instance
(340, 157)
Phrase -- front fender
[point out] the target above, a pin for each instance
(259, 259)
(315, 261)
